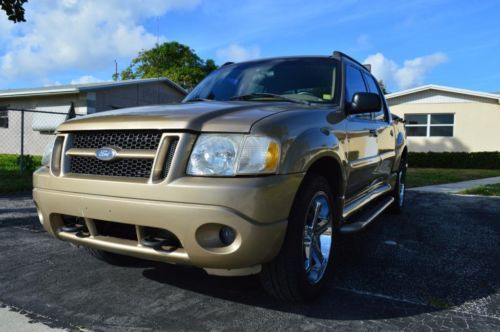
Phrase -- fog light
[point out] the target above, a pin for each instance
(227, 235)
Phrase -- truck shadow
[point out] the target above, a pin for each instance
(418, 262)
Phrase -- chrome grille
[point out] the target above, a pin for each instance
(138, 147)
(130, 139)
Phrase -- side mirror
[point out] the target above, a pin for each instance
(365, 102)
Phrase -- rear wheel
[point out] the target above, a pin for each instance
(399, 192)
(304, 262)
(112, 258)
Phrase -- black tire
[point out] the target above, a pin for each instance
(285, 277)
(398, 194)
(112, 258)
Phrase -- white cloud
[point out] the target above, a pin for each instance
(85, 79)
(411, 74)
(237, 53)
(83, 35)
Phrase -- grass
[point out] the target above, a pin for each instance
(11, 180)
(486, 190)
(417, 177)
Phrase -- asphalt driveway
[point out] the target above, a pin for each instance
(434, 267)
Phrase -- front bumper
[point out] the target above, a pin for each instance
(256, 208)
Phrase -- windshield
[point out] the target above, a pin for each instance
(304, 79)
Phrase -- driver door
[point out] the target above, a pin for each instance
(362, 138)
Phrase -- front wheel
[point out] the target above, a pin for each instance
(304, 262)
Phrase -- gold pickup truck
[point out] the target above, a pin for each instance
(260, 170)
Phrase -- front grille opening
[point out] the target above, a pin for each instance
(114, 229)
(128, 140)
(124, 139)
(160, 239)
(140, 168)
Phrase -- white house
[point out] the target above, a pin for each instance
(441, 118)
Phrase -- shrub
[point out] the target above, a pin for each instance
(28, 163)
(468, 160)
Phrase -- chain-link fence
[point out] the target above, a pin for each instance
(24, 136)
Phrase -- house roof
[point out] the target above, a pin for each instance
(448, 89)
(84, 87)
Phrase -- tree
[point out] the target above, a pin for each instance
(382, 87)
(13, 9)
(176, 61)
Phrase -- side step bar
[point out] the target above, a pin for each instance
(367, 217)
(357, 204)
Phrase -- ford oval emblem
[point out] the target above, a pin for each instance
(106, 154)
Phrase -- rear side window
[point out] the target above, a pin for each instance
(373, 88)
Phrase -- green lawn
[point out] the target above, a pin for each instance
(417, 177)
(11, 180)
(486, 190)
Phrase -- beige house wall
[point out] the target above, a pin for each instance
(477, 123)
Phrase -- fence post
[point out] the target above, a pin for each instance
(21, 160)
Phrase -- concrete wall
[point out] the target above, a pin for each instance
(136, 95)
(477, 121)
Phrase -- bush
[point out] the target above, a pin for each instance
(11, 177)
(27, 163)
(468, 160)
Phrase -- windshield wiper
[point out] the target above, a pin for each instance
(198, 99)
(268, 95)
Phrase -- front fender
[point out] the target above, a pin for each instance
(306, 137)
(308, 147)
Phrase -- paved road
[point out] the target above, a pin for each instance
(435, 267)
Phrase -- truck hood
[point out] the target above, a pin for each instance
(211, 116)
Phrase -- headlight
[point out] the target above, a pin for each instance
(214, 155)
(47, 153)
(233, 154)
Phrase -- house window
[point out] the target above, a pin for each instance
(4, 119)
(430, 125)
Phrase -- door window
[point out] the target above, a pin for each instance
(354, 84)
(373, 88)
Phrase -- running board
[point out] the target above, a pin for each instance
(357, 204)
(367, 217)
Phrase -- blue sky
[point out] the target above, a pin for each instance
(409, 43)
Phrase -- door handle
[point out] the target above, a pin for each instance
(373, 132)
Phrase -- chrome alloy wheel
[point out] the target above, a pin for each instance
(317, 237)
